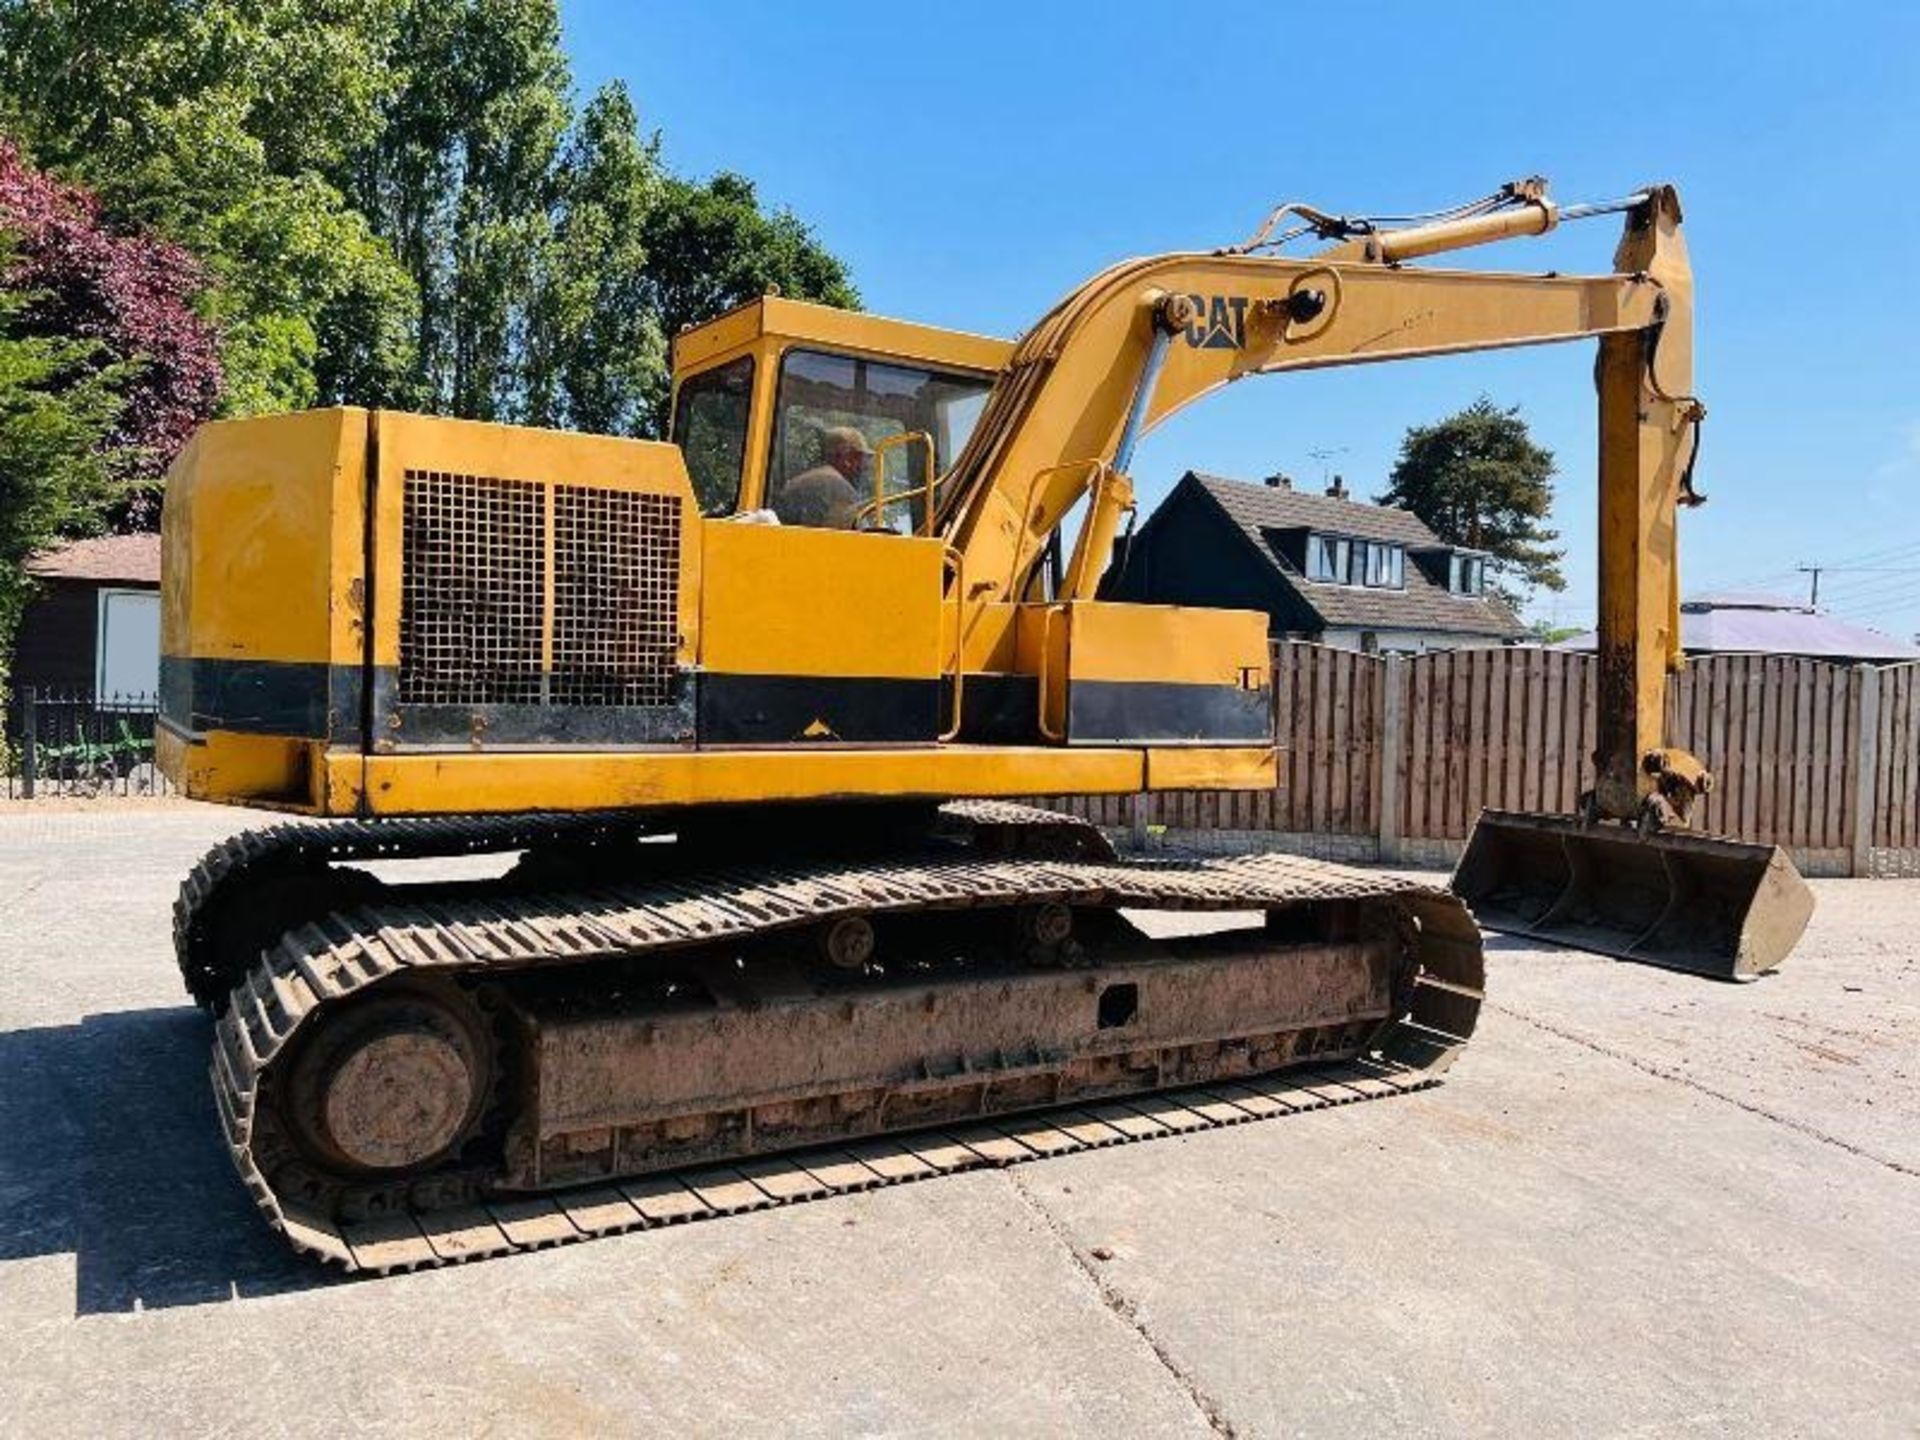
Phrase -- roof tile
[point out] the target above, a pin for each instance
(134, 558)
(1422, 605)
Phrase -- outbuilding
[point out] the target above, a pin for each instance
(92, 628)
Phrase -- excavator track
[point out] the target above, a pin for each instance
(232, 870)
(535, 1174)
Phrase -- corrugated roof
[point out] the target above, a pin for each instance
(1422, 605)
(1743, 600)
(1749, 624)
(133, 559)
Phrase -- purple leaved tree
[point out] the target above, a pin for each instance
(132, 296)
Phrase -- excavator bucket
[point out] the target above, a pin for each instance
(1715, 907)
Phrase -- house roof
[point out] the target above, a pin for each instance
(133, 559)
(1744, 623)
(1422, 605)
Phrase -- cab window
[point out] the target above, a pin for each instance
(830, 417)
(710, 427)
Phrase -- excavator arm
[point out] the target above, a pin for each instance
(1142, 340)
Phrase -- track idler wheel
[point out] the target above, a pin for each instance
(397, 1082)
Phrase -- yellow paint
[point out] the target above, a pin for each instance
(766, 329)
(268, 519)
(988, 636)
(1170, 643)
(1181, 768)
(261, 770)
(784, 322)
(1057, 416)
(1649, 425)
(785, 601)
(435, 784)
(260, 558)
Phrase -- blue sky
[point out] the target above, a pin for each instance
(973, 162)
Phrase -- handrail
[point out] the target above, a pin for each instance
(1047, 732)
(1097, 472)
(878, 504)
(953, 557)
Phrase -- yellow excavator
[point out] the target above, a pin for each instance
(742, 720)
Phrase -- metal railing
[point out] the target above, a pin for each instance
(77, 744)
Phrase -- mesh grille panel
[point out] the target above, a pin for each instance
(472, 577)
(616, 596)
(475, 628)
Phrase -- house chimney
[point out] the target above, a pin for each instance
(1338, 489)
(1279, 480)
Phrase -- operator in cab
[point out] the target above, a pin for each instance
(827, 496)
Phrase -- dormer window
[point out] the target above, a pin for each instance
(1329, 558)
(1466, 574)
(1337, 560)
(1386, 566)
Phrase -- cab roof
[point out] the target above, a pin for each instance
(799, 322)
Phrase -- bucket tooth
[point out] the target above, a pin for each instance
(1701, 903)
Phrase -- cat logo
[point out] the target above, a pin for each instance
(818, 730)
(1219, 322)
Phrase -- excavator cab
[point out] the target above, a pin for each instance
(827, 419)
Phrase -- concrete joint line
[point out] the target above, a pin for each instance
(1124, 1310)
(1662, 1073)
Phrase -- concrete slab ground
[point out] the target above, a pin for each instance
(1642, 1204)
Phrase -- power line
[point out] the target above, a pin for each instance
(1871, 560)
(1884, 607)
(1841, 591)
(1849, 594)
(1906, 547)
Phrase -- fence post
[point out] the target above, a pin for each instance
(1866, 757)
(29, 731)
(1393, 724)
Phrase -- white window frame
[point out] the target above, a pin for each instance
(1392, 561)
(1342, 552)
(1466, 574)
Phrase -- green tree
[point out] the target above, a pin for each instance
(710, 246)
(395, 200)
(58, 406)
(460, 179)
(1478, 479)
(595, 353)
(226, 125)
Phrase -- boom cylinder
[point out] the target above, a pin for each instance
(1536, 217)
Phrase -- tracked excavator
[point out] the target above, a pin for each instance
(729, 732)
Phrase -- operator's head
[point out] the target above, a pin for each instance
(846, 450)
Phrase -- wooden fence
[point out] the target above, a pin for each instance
(1395, 758)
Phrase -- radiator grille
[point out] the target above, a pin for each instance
(473, 571)
(483, 621)
(616, 592)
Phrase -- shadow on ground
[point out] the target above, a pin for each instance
(109, 1150)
